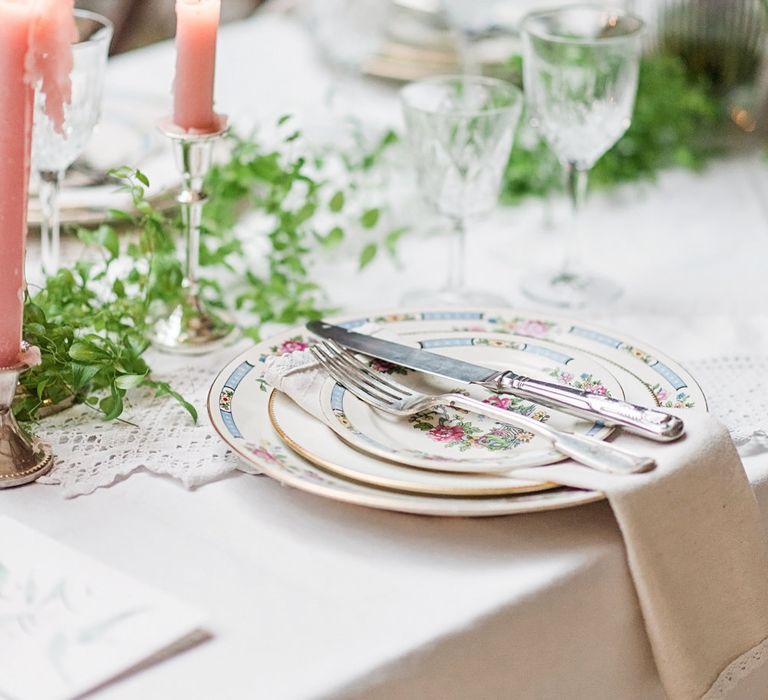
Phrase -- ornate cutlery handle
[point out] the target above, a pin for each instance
(647, 422)
(590, 452)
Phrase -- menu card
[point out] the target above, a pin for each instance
(69, 624)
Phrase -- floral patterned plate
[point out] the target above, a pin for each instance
(662, 381)
(310, 438)
(238, 407)
(456, 441)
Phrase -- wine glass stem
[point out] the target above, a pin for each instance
(577, 180)
(456, 281)
(50, 229)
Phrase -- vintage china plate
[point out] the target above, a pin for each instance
(313, 440)
(659, 380)
(238, 405)
(451, 440)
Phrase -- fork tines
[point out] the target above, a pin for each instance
(357, 377)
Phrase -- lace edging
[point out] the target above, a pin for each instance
(737, 670)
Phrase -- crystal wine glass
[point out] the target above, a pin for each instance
(460, 130)
(580, 68)
(52, 152)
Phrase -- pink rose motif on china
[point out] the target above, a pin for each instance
(662, 395)
(293, 346)
(381, 365)
(498, 401)
(532, 328)
(261, 453)
(445, 433)
(386, 367)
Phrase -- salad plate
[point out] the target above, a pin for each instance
(453, 440)
(313, 440)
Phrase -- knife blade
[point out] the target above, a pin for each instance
(647, 422)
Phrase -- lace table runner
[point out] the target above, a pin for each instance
(737, 389)
(159, 436)
(156, 435)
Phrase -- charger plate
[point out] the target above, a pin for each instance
(239, 397)
(455, 441)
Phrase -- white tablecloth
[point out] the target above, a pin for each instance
(308, 598)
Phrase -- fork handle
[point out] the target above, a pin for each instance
(601, 456)
(588, 451)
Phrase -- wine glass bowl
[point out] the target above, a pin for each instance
(580, 71)
(460, 130)
(54, 151)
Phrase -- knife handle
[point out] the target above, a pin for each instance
(647, 422)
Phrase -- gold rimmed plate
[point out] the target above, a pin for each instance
(313, 440)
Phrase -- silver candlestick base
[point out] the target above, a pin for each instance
(190, 327)
(23, 458)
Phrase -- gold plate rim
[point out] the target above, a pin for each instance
(392, 485)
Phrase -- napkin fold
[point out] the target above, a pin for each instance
(695, 542)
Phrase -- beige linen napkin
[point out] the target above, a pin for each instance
(695, 542)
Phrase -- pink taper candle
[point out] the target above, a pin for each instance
(35, 44)
(197, 22)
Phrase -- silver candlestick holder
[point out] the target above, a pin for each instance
(23, 458)
(190, 327)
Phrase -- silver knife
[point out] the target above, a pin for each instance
(647, 422)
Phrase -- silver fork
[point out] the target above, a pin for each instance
(387, 395)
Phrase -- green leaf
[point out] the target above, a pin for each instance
(368, 254)
(129, 381)
(370, 218)
(85, 352)
(106, 236)
(112, 405)
(337, 202)
(165, 389)
(392, 238)
(119, 215)
(82, 375)
(334, 237)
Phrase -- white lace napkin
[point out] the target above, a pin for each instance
(695, 542)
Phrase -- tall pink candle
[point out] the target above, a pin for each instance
(197, 22)
(35, 44)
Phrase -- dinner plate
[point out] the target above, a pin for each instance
(453, 440)
(659, 380)
(313, 440)
(238, 404)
